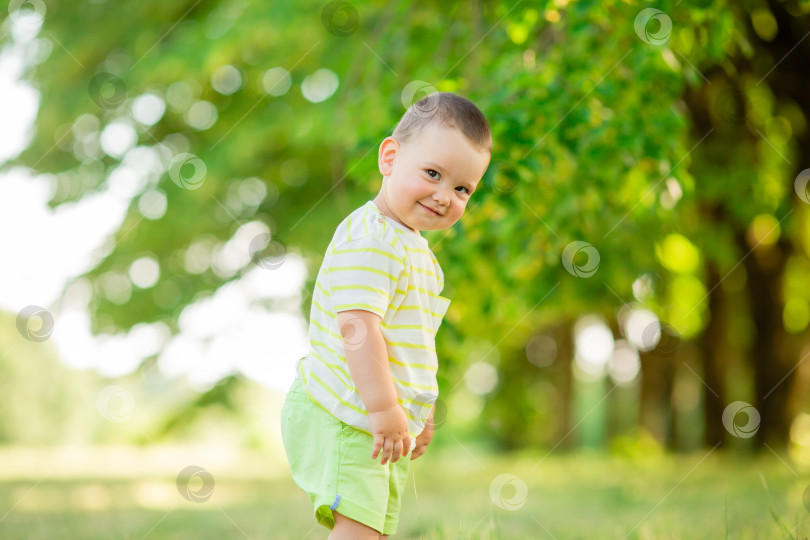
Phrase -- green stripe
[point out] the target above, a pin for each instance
(360, 287)
(362, 269)
(365, 220)
(323, 329)
(417, 308)
(331, 366)
(408, 327)
(344, 403)
(322, 344)
(410, 345)
(324, 291)
(417, 386)
(421, 403)
(417, 366)
(425, 271)
(423, 290)
(375, 309)
(320, 308)
(369, 250)
(338, 371)
(339, 356)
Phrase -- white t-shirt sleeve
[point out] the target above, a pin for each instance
(363, 274)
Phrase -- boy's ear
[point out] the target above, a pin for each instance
(388, 151)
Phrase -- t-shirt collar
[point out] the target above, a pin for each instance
(399, 226)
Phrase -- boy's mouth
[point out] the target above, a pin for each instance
(429, 210)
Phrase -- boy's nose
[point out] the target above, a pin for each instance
(441, 197)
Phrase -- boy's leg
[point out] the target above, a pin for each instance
(331, 462)
(349, 529)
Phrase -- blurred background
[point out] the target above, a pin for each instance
(625, 352)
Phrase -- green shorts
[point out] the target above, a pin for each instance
(331, 461)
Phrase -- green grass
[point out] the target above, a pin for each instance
(707, 495)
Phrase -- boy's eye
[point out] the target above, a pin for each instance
(435, 175)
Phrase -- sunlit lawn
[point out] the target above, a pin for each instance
(567, 497)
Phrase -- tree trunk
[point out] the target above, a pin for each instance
(788, 82)
(769, 356)
(564, 337)
(773, 353)
(713, 356)
(655, 404)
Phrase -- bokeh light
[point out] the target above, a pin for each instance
(320, 85)
(594, 344)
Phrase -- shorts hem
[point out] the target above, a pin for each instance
(359, 513)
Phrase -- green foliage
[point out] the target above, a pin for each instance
(40, 394)
(593, 142)
(583, 132)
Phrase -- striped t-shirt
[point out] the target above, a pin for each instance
(375, 263)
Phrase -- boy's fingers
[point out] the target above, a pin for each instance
(390, 450)
(378, 444)
(386, 453)
(404, 446)
(418, 450)
(397, 451)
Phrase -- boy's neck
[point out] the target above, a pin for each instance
(379, 200)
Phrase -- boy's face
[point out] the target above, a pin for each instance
(437, 171)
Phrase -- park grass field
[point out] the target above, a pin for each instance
(706, 495)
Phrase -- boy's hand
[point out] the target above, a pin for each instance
(424, 438)
(390, 430)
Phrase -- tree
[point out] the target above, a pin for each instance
(600, 119)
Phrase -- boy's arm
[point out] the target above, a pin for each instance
(367, 358)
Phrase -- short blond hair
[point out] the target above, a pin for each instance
(449, 110)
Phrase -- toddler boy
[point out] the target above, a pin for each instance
(366, 388)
